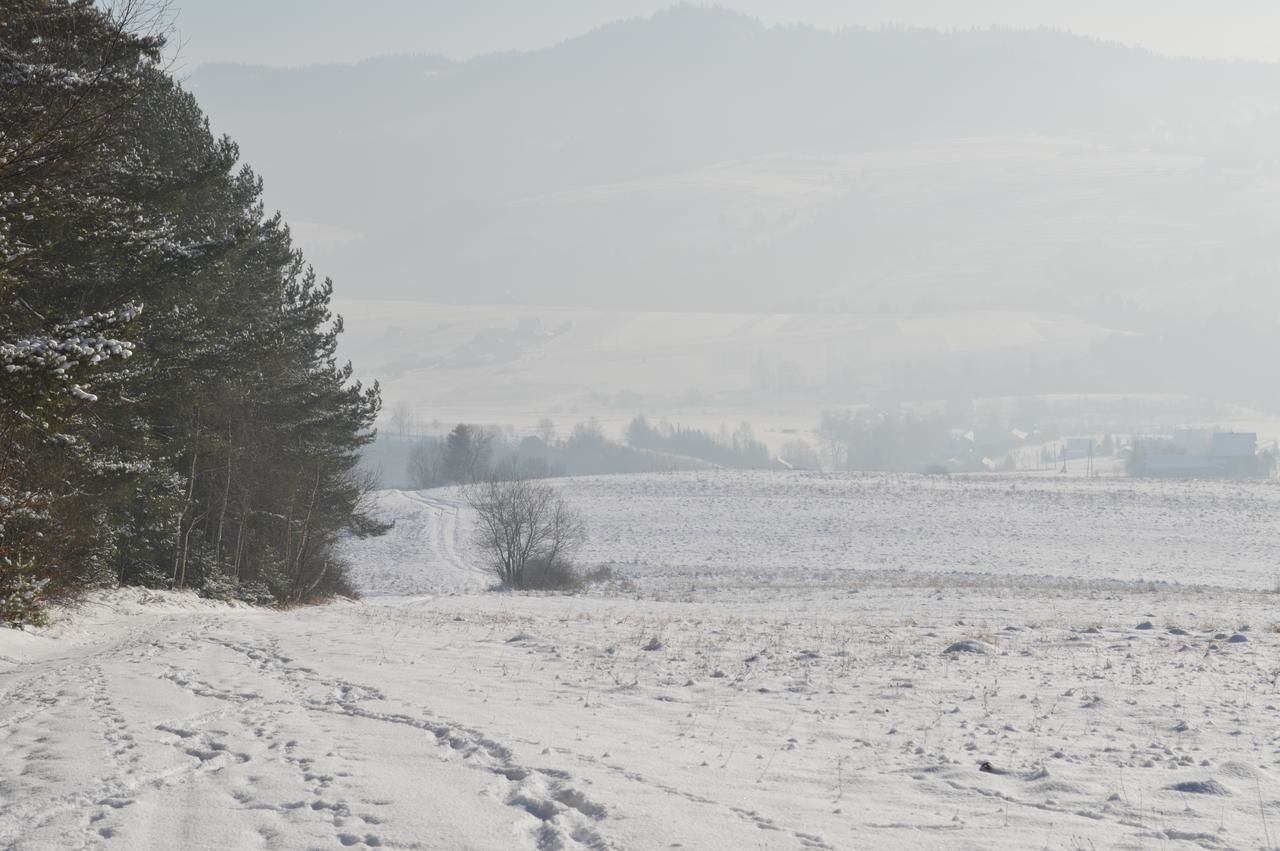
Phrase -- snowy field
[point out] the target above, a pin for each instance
(736, 535)
(789, 662)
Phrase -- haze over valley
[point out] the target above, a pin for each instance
(698, 161)
(563, 426)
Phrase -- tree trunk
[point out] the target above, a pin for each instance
(179, 550)
(306, 530)
(226, 498)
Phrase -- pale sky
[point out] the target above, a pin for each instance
(305, 32)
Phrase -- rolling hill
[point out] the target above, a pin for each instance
(698, 160)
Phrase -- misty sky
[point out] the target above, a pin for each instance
(303, 32)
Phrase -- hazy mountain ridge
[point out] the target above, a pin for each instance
(623, 167)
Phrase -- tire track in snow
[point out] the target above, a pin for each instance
(443, 518)
(255, 721)
(443, 525)
(102, 794)
(569, 820)
(428, 553)
(807, 841)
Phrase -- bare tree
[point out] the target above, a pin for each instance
(426, 463)
(403, 419)
(525, 527)
(799, 454)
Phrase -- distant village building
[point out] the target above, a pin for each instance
(1235, 454)
(1172, 464)
(1193, 453)
(1078, 447)
(1195, 441)
(1234, 445)
(529, 327)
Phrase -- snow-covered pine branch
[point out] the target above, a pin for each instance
(58, 361)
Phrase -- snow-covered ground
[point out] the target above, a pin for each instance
(789, 662)
(727, 534)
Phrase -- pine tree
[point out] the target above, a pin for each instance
(68, 72)
(220, 451)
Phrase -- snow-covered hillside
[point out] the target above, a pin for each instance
(697, 160)
(448, 356)
(517, 364)
(955, 673)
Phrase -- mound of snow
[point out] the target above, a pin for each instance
(1200, 787)
(970, 645)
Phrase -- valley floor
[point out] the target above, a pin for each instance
(1090, 716)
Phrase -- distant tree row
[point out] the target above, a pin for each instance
(172, 411)
(472, 453)
(881, 441)
(739, 451)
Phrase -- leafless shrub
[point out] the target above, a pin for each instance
(527, 530)
(557, 575)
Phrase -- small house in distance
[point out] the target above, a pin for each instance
(1078, 447)
(1235, 454)
(1217, 454)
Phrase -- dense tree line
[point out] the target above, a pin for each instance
(172, 411)
(884, 441)
(737, 451)
(472, 453)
